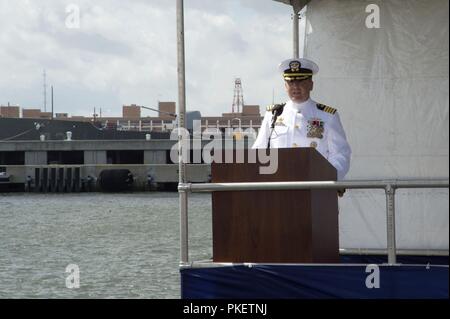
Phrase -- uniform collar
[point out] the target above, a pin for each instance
(300, 107)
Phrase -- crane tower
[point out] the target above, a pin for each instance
(238, 100)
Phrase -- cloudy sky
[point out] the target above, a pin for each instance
(124, 52)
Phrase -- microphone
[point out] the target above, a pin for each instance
(276, 109)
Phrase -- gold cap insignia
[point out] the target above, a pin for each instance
(295, 66)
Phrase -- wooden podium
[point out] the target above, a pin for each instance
(294, 226)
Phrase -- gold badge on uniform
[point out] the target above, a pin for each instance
(316, 127)
(279, 122)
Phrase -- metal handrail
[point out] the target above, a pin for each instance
(389, 186)
(404, 252)
(363, 184)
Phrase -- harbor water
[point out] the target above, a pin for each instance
(124, 245)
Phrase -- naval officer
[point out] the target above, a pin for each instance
(302, 122)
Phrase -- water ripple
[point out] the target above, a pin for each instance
(126, 245)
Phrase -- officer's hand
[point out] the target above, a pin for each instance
(341, 192)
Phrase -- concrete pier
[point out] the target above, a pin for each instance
(57, 166)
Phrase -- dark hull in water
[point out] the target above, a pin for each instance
(31, 129)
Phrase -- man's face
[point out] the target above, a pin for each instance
(299, 90)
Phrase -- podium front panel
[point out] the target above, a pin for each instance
(289, 226)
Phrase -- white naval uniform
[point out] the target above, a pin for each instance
(291, 130)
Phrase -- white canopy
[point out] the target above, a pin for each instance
(391, 88)
(297, 4)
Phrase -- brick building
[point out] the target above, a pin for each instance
(10, 111)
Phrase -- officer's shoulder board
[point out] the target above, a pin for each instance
(326, 108)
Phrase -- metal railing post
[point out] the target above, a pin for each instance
(390, 221)
(181, 129)
(295, 19)
(184, 231)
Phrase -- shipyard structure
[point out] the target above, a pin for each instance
(45, 152)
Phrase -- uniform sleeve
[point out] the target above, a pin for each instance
(338, 147)
(263, 134)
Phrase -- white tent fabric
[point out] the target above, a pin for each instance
(391, 88)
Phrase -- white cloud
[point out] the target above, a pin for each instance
(125, 52)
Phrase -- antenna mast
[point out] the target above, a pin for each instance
(45, 91)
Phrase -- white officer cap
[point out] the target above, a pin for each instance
(297, 69)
